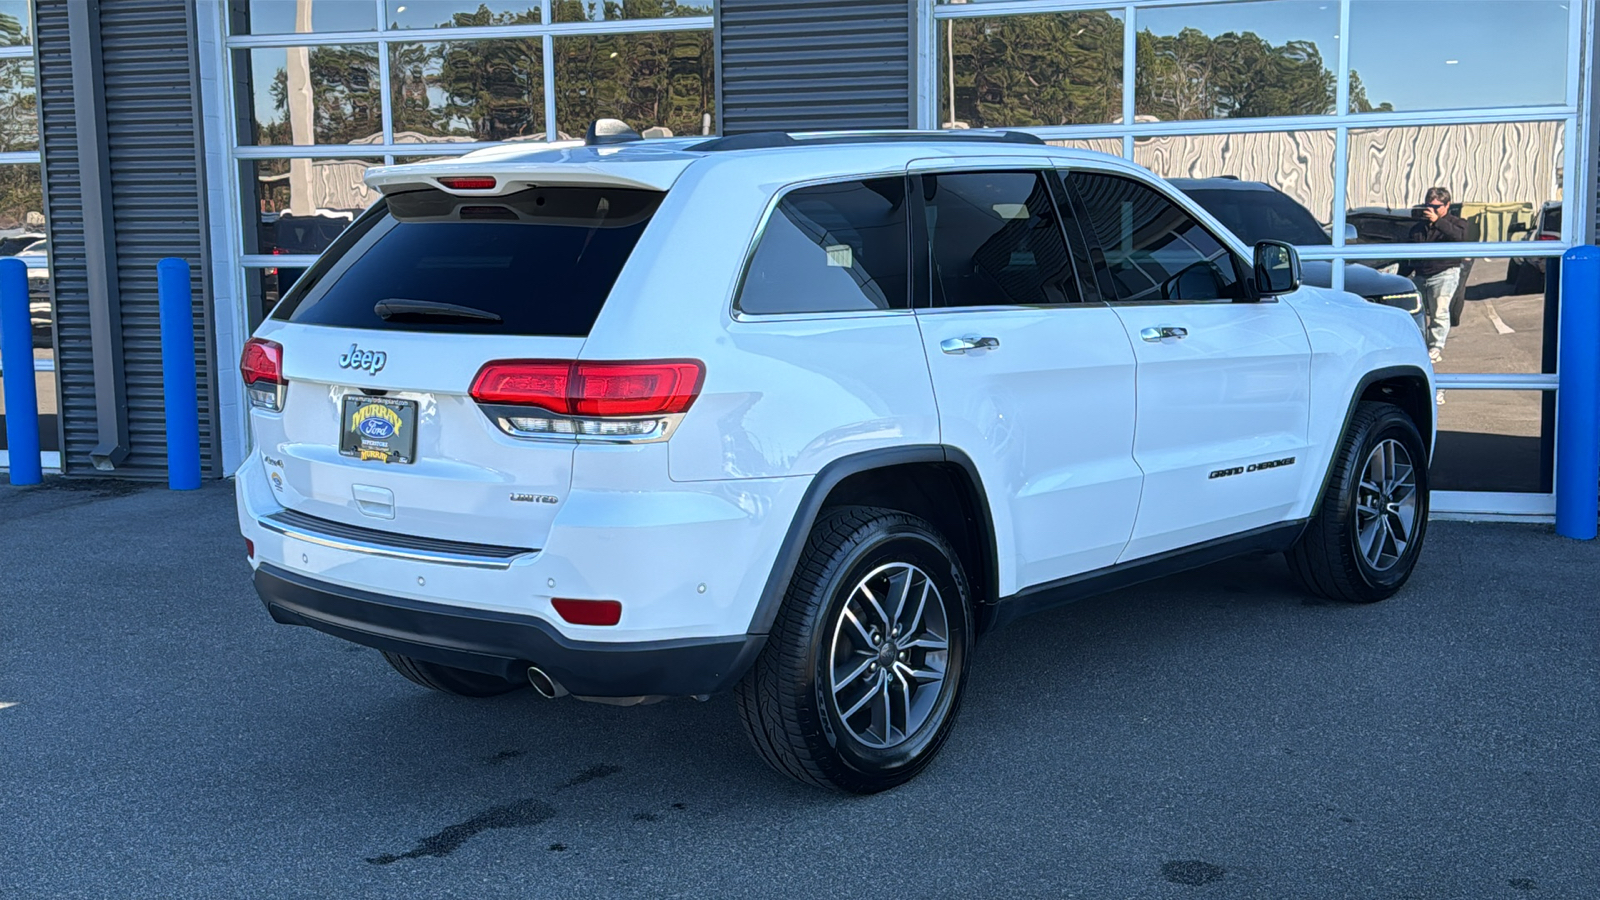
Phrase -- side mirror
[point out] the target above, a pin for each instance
(1351, 235)
(1277, 269)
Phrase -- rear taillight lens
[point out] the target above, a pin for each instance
(619, 400)
(588, 612)
(467, 182)
(1549, 237)
(261, 365)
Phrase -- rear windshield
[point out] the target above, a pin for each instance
(538, 262)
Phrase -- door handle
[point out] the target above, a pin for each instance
(1157, 332)
(970, 342)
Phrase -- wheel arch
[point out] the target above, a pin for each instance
(933, 481)
(1407, 387)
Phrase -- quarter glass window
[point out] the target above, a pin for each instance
(1154, 250)
(832, 248)
(996, 240)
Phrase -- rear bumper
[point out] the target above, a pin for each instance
(507, 644)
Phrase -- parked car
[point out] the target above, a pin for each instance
(634, 422)
(11, 245)
(1256, 212)
(1526, 275)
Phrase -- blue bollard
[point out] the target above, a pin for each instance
(16, 362)
(177, 375)
(1578, 397)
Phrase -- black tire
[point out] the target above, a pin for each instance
(787, 701)
(449, 679)
(1331, 558)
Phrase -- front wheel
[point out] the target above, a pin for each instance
(861, 677)
(1363, 541)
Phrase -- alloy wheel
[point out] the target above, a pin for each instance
(1386, 505)
(888, 655)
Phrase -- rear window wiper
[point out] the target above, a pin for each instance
(400, 308)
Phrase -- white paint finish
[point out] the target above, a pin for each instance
(1234, 392)
(649, 549)
(460, 487)
(1048, 419)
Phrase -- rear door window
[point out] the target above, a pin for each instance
(996, 240)
(538, 262)
(832, 248)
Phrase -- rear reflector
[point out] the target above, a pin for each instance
(593, 389)
(250, 548)
(588, 612)
(467, 183)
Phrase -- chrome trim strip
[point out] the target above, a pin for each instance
(439, 557)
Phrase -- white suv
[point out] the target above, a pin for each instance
(801, 416)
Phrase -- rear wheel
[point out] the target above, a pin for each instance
(1364, 540)
(449, 679)
(861, 677)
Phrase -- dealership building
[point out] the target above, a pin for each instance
(235, 133)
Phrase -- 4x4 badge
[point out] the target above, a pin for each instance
(372, 361)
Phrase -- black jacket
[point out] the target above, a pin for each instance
(1449, 227)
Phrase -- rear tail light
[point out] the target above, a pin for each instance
(1549, 237)
(588, 612)
(261, 365)
(467, 182)
(615, 400)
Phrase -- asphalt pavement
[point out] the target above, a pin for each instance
(1211, 735)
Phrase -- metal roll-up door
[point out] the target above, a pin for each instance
(785, 65)
(153, 197)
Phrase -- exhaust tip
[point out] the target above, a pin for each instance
(544, 685)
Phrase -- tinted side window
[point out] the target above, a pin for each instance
(1154, 250)
(538, 262)
(996, 240)
(832, 248)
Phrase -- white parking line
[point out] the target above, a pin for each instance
(1494, 318)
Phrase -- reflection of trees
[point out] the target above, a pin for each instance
(1065, 68)
(652, 79)
(492, 90)
(1231, 76)
(19, 106)
(344, 97)
(1055, 69)
(21, 194)
(597, 10)
(1358, 97)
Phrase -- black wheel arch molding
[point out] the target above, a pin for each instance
(1422, 416)
(985, 582)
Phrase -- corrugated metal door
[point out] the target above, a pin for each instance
(157, 209)
(791, 65)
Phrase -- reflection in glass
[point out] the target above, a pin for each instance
(1295, 166)
(651, 81)
(22, 236)
(467, 90)
(1499, 176)
(302, 204)
(1112, 146)
(15, 23)
(605, 10)
(1237, 60)
(1035, 70)
(19, 106)
(1494, 441)
(1501, 319)
(301, 16)
(315, 95)
(1453, 54)
(461, 13)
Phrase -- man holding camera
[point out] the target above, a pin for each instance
(1436, 279)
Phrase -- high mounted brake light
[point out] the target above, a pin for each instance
(631, 400)
(261, 366)
(467, 182)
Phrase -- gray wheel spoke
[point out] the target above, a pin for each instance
(866, 697)
(928, 643)
(905, 703)
(918, 676)
(922, 605)
(1386, 504)
(906, 578)
(840, 684)
(866, 639)
(883, 619)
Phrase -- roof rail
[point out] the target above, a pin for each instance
(763, 140)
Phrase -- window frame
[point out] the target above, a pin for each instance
(1243, 270)
(738, 315)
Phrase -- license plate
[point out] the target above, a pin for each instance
(378, 428)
